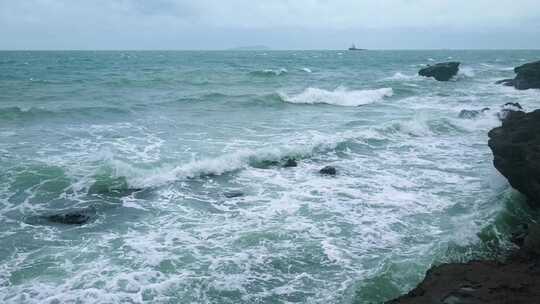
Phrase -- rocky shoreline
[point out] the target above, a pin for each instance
(516, 149)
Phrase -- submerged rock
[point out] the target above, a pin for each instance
(469, 114)
(73, 218)
(328, 170)
(233, 194)
(105, 185)
(507, 82)
(291, 162)
(68, 217)
(265, 164)
(527, 77)
(516, 150)
(441, 71)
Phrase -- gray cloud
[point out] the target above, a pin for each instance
(148, 24)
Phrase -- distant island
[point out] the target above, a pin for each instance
(251, 48)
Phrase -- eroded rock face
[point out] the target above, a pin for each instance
(527, 77)
(516, 150)
(441, 71)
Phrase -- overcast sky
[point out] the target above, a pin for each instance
(279, 24)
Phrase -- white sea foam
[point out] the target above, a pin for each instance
(466, 71)
(340, 96)
(307, 70)
(401, 76)
(242, 158)
(270, 72)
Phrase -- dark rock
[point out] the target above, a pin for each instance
(507, 82)
(233, 194)
(469, 114)
(516, 150)
(531, 242)
(265, 164)
(69, 218)
(291, 162)
(527, 77)
(328, 170)
(513, 106)
(441, 71)
(478, 282)
(509, 109)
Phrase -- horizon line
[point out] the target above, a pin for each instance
(263, 50)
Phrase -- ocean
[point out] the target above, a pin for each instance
(178, 157)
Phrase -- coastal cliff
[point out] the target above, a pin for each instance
(516, 150)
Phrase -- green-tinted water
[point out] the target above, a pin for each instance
(153, 143)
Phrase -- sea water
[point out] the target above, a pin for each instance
(179, 157)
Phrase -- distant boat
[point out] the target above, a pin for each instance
(354, 48)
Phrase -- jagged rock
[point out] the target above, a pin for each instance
(328, 170)
(469, 114)
(508, 109)
(527, 77)
(291, 162)
(507, 82)
(516, 150)
(441, 71)
(513, 105)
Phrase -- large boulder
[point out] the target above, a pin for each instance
(478, 282)
(527, 77)
(440, 71)
(328, 170)
(516, 150)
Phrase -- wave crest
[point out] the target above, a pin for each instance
(270, 72)
(340, 96)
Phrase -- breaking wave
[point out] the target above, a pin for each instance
(340, 96)
(269, 72)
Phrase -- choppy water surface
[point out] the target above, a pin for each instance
(154, 143)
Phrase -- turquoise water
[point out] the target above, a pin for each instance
(153, 142)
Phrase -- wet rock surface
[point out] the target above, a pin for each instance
(441, 71)
(68, 217)
(290, 162)
(516, 151)
(517, 281)
(527, 77)
(328, 170)
(470, 114)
